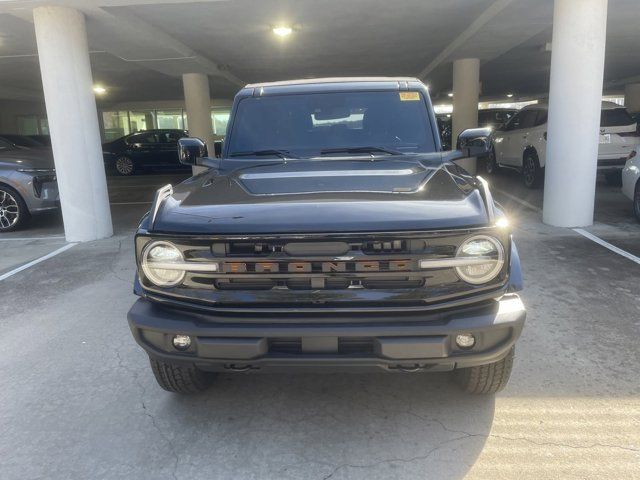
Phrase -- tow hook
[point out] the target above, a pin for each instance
(240, 368)
(409, 368)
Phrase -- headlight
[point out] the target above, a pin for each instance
(162, 264)
(486, 258)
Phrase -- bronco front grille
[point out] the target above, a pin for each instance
(322, 269)
(385, 263)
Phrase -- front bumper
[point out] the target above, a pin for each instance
(425, 341)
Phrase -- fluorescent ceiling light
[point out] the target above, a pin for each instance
(450, 94)
(509, 95)
(282, 31)
(99, 90)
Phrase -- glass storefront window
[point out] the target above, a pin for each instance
(116, 124)
(142, 120)
(170, 119)
(28, 125)
(119, 123)
(220, 119)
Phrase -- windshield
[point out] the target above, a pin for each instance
(22, 141)
(4, 145)
(308, 125)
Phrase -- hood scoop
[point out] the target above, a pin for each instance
(334, 177)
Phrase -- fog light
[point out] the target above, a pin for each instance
(181, 342)
(465, 340)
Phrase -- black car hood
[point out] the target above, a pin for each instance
(337, 195)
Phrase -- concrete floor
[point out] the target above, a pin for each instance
(77, 399)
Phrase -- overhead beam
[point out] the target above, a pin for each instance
(494, 9)
(119, 30)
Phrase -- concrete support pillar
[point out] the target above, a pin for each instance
(632, 97)
(577, 69)
(73, 122)
(466, 92)
(198, 105)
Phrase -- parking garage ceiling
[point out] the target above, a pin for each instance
(140, 48)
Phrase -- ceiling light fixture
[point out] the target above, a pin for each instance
(282, 31)
(99, 90)
(509, 95)
(450, 94)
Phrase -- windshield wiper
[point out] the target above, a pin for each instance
(263, 153)
(364, 149)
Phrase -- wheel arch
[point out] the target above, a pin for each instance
(15, 188)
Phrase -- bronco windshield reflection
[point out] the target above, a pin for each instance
(331, 124)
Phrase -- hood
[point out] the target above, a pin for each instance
(322, 196)
(28, 158)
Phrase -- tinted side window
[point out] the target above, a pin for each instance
(618, 117)
(514, 123)
(528, 119)
(169, 137)
(542, 117)
(143, 138)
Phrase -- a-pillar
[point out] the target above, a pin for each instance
(73, 122)
(577, 68)
(466, 92)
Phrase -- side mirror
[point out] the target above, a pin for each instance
(217, 147)
(474, 142)
(190, 149)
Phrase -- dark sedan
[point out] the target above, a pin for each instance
(148, 149)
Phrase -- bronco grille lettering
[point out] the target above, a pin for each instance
(319, 267)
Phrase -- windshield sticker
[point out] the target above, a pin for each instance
(409, 96)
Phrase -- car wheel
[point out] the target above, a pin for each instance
(531, 172)
(483, 379)
(613, 178)
(636, 201)
(490, 164)
(124, 166)
(180, 379)
(13, 211)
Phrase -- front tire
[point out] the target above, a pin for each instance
(180, 379)
(484, 379)
(124, 166)
(613, 179)
(13, 211)
(490, 164)
(532, 173)
(636, 201)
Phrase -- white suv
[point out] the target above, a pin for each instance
(522, 143)
(631, 182)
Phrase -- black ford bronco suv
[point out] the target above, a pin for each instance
(333, 232)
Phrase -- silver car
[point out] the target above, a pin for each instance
(27, 184)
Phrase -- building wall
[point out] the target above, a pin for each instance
(14, 113)
(11, 112)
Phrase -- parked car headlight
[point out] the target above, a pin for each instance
(486, 256)
(161, 263)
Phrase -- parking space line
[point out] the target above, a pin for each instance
(30, 239)
(37, 261)
(518, 200)
(607, 245)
